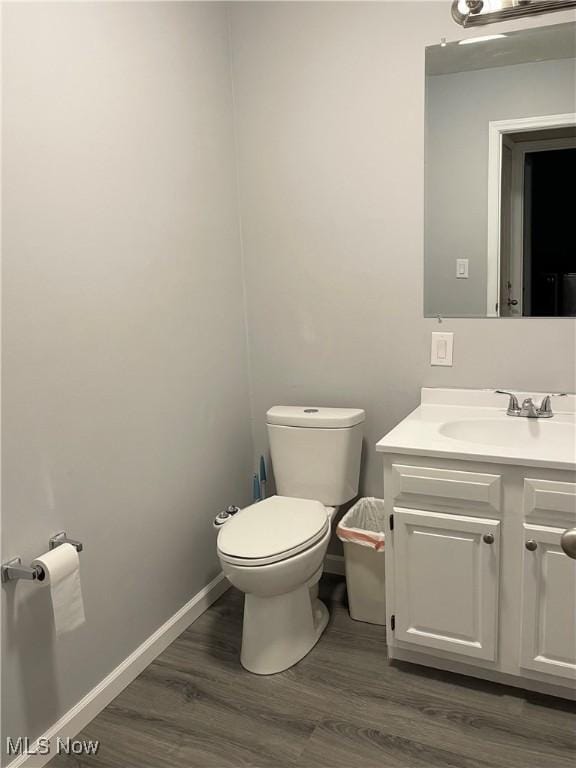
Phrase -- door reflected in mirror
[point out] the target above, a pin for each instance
(537, 253)
(500, 185)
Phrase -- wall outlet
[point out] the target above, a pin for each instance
(462, 269)
(441, 350)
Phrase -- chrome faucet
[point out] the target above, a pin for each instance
(528, 409)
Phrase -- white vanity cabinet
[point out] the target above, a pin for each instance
(477, 581)
(478, 504)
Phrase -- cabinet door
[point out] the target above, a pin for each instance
(446, 571)
(548, 642)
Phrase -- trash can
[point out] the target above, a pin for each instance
(361, 531)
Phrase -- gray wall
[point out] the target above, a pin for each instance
(125, 411)
(330, 121)
(125, 385)
(459, 108)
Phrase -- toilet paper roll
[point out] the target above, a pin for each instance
(61, 567)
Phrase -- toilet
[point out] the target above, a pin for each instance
(274, 550)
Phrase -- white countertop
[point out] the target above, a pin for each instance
(472, 425)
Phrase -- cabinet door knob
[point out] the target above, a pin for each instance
(568, 542)
(488, 538)
(531, 545)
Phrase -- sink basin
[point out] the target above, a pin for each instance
(507, 432)
(467, 424)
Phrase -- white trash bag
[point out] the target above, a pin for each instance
(364, 524)
(362, 532)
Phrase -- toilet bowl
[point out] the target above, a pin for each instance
(274, 549)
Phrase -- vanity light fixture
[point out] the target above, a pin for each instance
(474, 12)
(481, 39)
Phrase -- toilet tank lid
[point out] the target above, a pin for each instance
(314, 416)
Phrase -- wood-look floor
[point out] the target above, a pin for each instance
(343, 706)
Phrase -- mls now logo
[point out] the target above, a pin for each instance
(23, 746)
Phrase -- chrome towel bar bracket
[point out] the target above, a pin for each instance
(13, 570)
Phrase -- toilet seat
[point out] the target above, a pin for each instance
(272, 530)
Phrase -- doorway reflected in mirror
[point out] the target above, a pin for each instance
(537, 224)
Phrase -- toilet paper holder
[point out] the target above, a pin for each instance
(62, 538)
(13, 570)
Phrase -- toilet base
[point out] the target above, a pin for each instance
(279, 631)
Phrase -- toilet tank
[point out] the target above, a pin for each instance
(316, 452)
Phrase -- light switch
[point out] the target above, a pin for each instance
(461, 268)
(441, 351)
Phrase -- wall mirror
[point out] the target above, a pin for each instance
(500, 175)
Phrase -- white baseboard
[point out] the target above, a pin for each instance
(99, 697)
(334, 564)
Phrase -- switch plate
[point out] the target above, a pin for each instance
(441, 350)
(462, 269)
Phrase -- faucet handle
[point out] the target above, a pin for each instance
(546, 405)
(513, 404)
